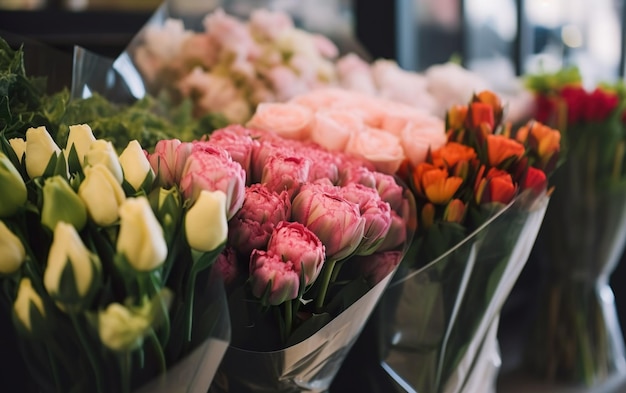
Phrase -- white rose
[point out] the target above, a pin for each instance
(40, 148)
(135, 165)
(68, 248)
(81, 137)
(141, 237)
(103, 152)
(27, 296)
(379, 147)
(206, 226)
(12, 251)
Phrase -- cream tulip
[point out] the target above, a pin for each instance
(13, 195)
(12, 252)
(40, 148)
(122, 329)
(68, 251)
(23, 308)
(81, 137)
(103, 152)
(135, 165)
(19, 147)
(140, 238)
(206, 226)
(102, 194)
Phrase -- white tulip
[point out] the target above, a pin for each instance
(135, 165)
(12, 253)
(141, 237)
(81, 137)
(19, 147)
(40, 148)
(68, 248)
(103, 152)
(102, 194)
(206, 226)
(122, 329)
(27, 296)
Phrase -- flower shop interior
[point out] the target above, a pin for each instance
(499, 306)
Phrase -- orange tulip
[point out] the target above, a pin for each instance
(456, 117)
(455, 211)
(452, 153)
(496, 186)
(435, 184)
(501, 148)
(481, 115)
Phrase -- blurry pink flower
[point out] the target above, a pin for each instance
(295, 243)
(355, 74)
(269, 24)
(399, 85)
(199, 49)
(237, 141)
(376, 212)
(379, 147)
(325, 47)
(417, 139)
(389, 190)
(377, 266)
(356, 173)
(290, 121)
(396, 235)
(231, 34)
(211, 168)
(286, 172)
(253, 224)
(269, 274)
(285, 83)
(335, 220)
(331, 129)
(168, 160)
(226, 265)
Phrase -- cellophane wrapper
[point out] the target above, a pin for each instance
(435, 329)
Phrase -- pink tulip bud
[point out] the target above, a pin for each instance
(226, 265)
(389, 190)
(267, 270)
(293, 242)
(286, 173)
(238, 142)
(168, 161)
(335, 220)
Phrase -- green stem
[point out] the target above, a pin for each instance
(328, 274)
(55, 371)
(158, 349)
(125, 362)
(336, 270)
(189, 306)
(165, 326)
(92, 359)
(288, 319)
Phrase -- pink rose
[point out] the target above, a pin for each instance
(380, 148)
(253, 224)
(377, 266)
(269, 274)
(168, 161)
(290, 121)
(335, 220)
(417, 139)
(211, 168)
(238, 142)
(331, 129)
(295, 243)
(376, 212)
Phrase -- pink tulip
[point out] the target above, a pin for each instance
(294, 242)
(396, 236)
(254, 223)
(377, 214)
(226, 265)
(268, 271)
(237, 141)
(168, 160)
(267, 147)
(286, 173)
(335, 220)
(211, 168)
(377, 266)
(389, 190)
(352, 173)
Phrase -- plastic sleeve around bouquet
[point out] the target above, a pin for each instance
(437, 320)
(310, 365)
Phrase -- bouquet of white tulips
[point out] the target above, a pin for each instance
(107, 289)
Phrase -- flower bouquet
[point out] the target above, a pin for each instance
(576, 335)
(105, 270)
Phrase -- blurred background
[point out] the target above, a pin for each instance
(498, 39)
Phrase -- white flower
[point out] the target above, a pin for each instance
(103, 152)
(68, 252)
(135, 165)
(102, 194)
(12, 251)
(206, 226)
(81, 137)
(40, 148)
(14, 194)
(141, 237)
(19, 147)
(122, 329)
(27, 296)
